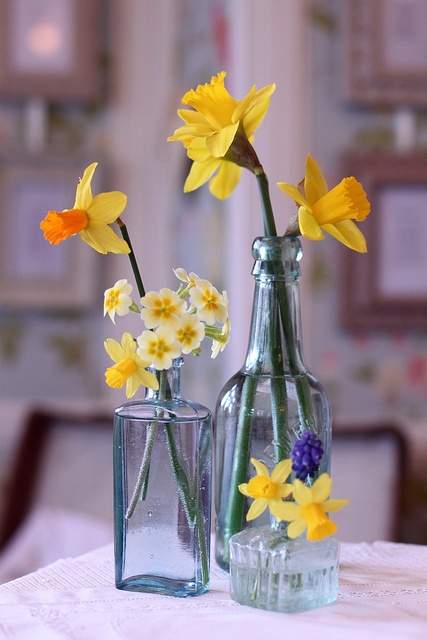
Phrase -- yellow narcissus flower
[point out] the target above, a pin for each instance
(190, 332)
(331, 211)
(162, 308)
(210, 304)
(90, 218)
(130, 368)
(117, 299)
(159, 347)
(210, 130)
(310, 509)
(267, 491)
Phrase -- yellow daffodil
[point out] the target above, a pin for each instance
(90, 218)
(209, 303)
(267, 491)
(162, 308)
(190, 332)
(211, 128)
(160, 347)
(310, 509)
(331, 211)
(117, 299)
(130, 368)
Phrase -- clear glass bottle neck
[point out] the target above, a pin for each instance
(169, 382)
(275, 343)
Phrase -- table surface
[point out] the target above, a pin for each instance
(382, 595)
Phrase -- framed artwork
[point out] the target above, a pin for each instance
(386, 52)
(387, 287)
(33, 273)
(49, 49)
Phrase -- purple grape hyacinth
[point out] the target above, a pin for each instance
(306, 455)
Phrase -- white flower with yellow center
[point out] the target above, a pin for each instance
(159, 347)
(190, 333)
(164, 307)
(210, 304)
(117, 299)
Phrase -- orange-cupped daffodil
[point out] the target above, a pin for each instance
(330, 211)
(90, 217)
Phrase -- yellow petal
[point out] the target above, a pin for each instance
(84, 191)
(294, 193)
(281, 471)
(334, 504)
(200, 172)
(107, 207)
(348, 233)
(226, 180)
(243, 488)
(257, 507)
(260, 468)
(315, 186)
(103, 239)
(219, 143)
(114, 350)
(296, 528)
(288, 511)
(302, 493)
(321, 489)
(308, 225)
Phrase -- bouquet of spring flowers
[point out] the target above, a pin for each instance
(175, 322)
(218, 134)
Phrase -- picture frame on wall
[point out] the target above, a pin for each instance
(387, 287)
(50, 49)
(33, 273)
(386, 52)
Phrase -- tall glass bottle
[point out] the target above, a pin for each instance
(264, 408)
(162, 491)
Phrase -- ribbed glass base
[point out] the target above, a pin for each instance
(269, 571)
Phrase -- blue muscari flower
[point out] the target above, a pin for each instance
(306, 455)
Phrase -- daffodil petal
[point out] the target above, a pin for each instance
(84, 190)
(293, 192)
(321, 489)
(334, 504)
(257, 507)
(308, 225)
(243, 488)
(103, 239)
(200, 172)
(219, 143)
(315, 186)
(260, 468)
(114, 350)
(281, 471)
(226, 180)
(296, 528)
(348, 233)
(106, 207)
(288, 511)
(302, 493)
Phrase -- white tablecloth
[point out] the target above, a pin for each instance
(382, 596)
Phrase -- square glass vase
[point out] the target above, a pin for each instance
(272, 572)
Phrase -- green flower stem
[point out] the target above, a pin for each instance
(132, 258)
(236, 500)
(190, 498)
(267, 210)
(143, 470)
